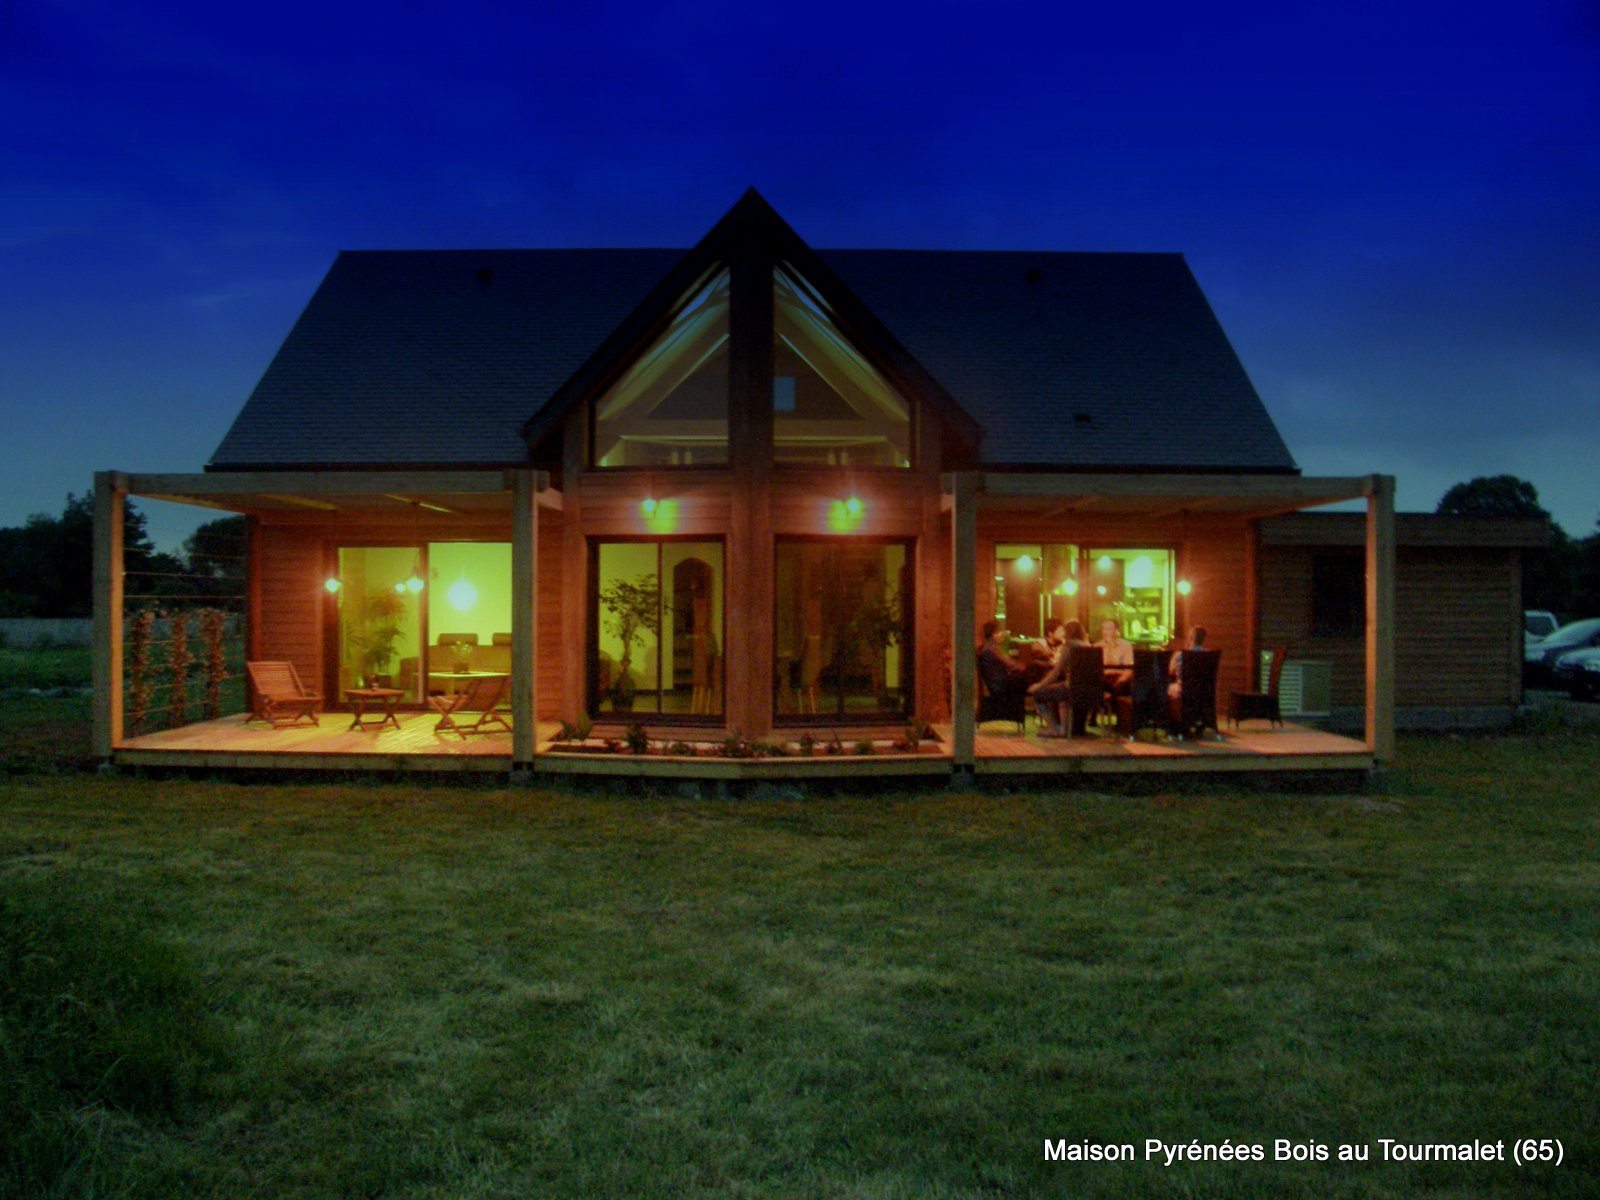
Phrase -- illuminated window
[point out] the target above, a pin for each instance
(842, 630)
(670, 408)
(830, 405)
(1132, 586)
(379, 618)
(656, 626)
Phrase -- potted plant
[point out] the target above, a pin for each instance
(634, 609)
(874, 625)
(377, 635)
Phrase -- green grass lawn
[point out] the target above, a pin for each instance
(211, 989)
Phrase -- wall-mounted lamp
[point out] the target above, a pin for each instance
(1067, 587)
(845, 516)
(331, 585)
(1184, 587)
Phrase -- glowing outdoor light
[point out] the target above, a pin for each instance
(844, 516)
(1184, 587)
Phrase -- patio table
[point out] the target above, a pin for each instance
(362, 697)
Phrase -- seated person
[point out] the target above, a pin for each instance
(1052, 693)
(1117, 653)
(1000, 672)
(1197, 641)
(1043, 652)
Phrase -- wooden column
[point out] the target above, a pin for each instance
(110, 491)
(963, 617)
(524, 617)
(1380, 617)
(574, 567)
(749, 563)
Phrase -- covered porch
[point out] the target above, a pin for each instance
(1205, 529)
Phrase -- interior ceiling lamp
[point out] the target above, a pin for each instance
(1067, 587)
(462, 595)
(1024, 562)
(1105, 562)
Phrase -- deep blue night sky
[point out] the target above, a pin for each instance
(1394, 208)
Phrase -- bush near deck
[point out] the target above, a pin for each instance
(423, 992)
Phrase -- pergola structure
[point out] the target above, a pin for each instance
(394, 495)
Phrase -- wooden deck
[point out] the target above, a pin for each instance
(1255, 746)
(230, 744)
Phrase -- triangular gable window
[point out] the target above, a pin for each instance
(670, 408)
(830, 405)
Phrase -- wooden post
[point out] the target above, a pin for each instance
(964, 618)
(524, 618)
(1380, 617)
(110, 488)
(749, 584)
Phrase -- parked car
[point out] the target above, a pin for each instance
(1579, 672)
(1537, 624)
(1539, 659)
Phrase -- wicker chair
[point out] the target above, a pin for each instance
(1260, 706)
(1194, 710)
(1008, 704)
(1086, 681)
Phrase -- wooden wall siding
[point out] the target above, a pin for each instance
(1213, 555)
(548, 630)
(291, 598)
(1457, 624)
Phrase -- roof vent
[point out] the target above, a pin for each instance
(1034, 275)
(485, 274)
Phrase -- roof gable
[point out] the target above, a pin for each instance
(750, 227)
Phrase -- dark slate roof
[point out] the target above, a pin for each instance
(1071, 359)
(1082, 361)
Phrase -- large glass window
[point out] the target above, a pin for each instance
(830, 405)
(671, 406)
(842, 630)
(656, 628)
(469, 612)
(1132, 586)
(378, 594)
(423, 618)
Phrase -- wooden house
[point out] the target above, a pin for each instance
(755, 485)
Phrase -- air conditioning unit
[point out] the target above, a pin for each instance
(1305, 689)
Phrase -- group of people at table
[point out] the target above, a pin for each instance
(1041, 668)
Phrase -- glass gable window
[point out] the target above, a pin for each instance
(830, 405)
(671, 406)
(842, 630)
(657, 621)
